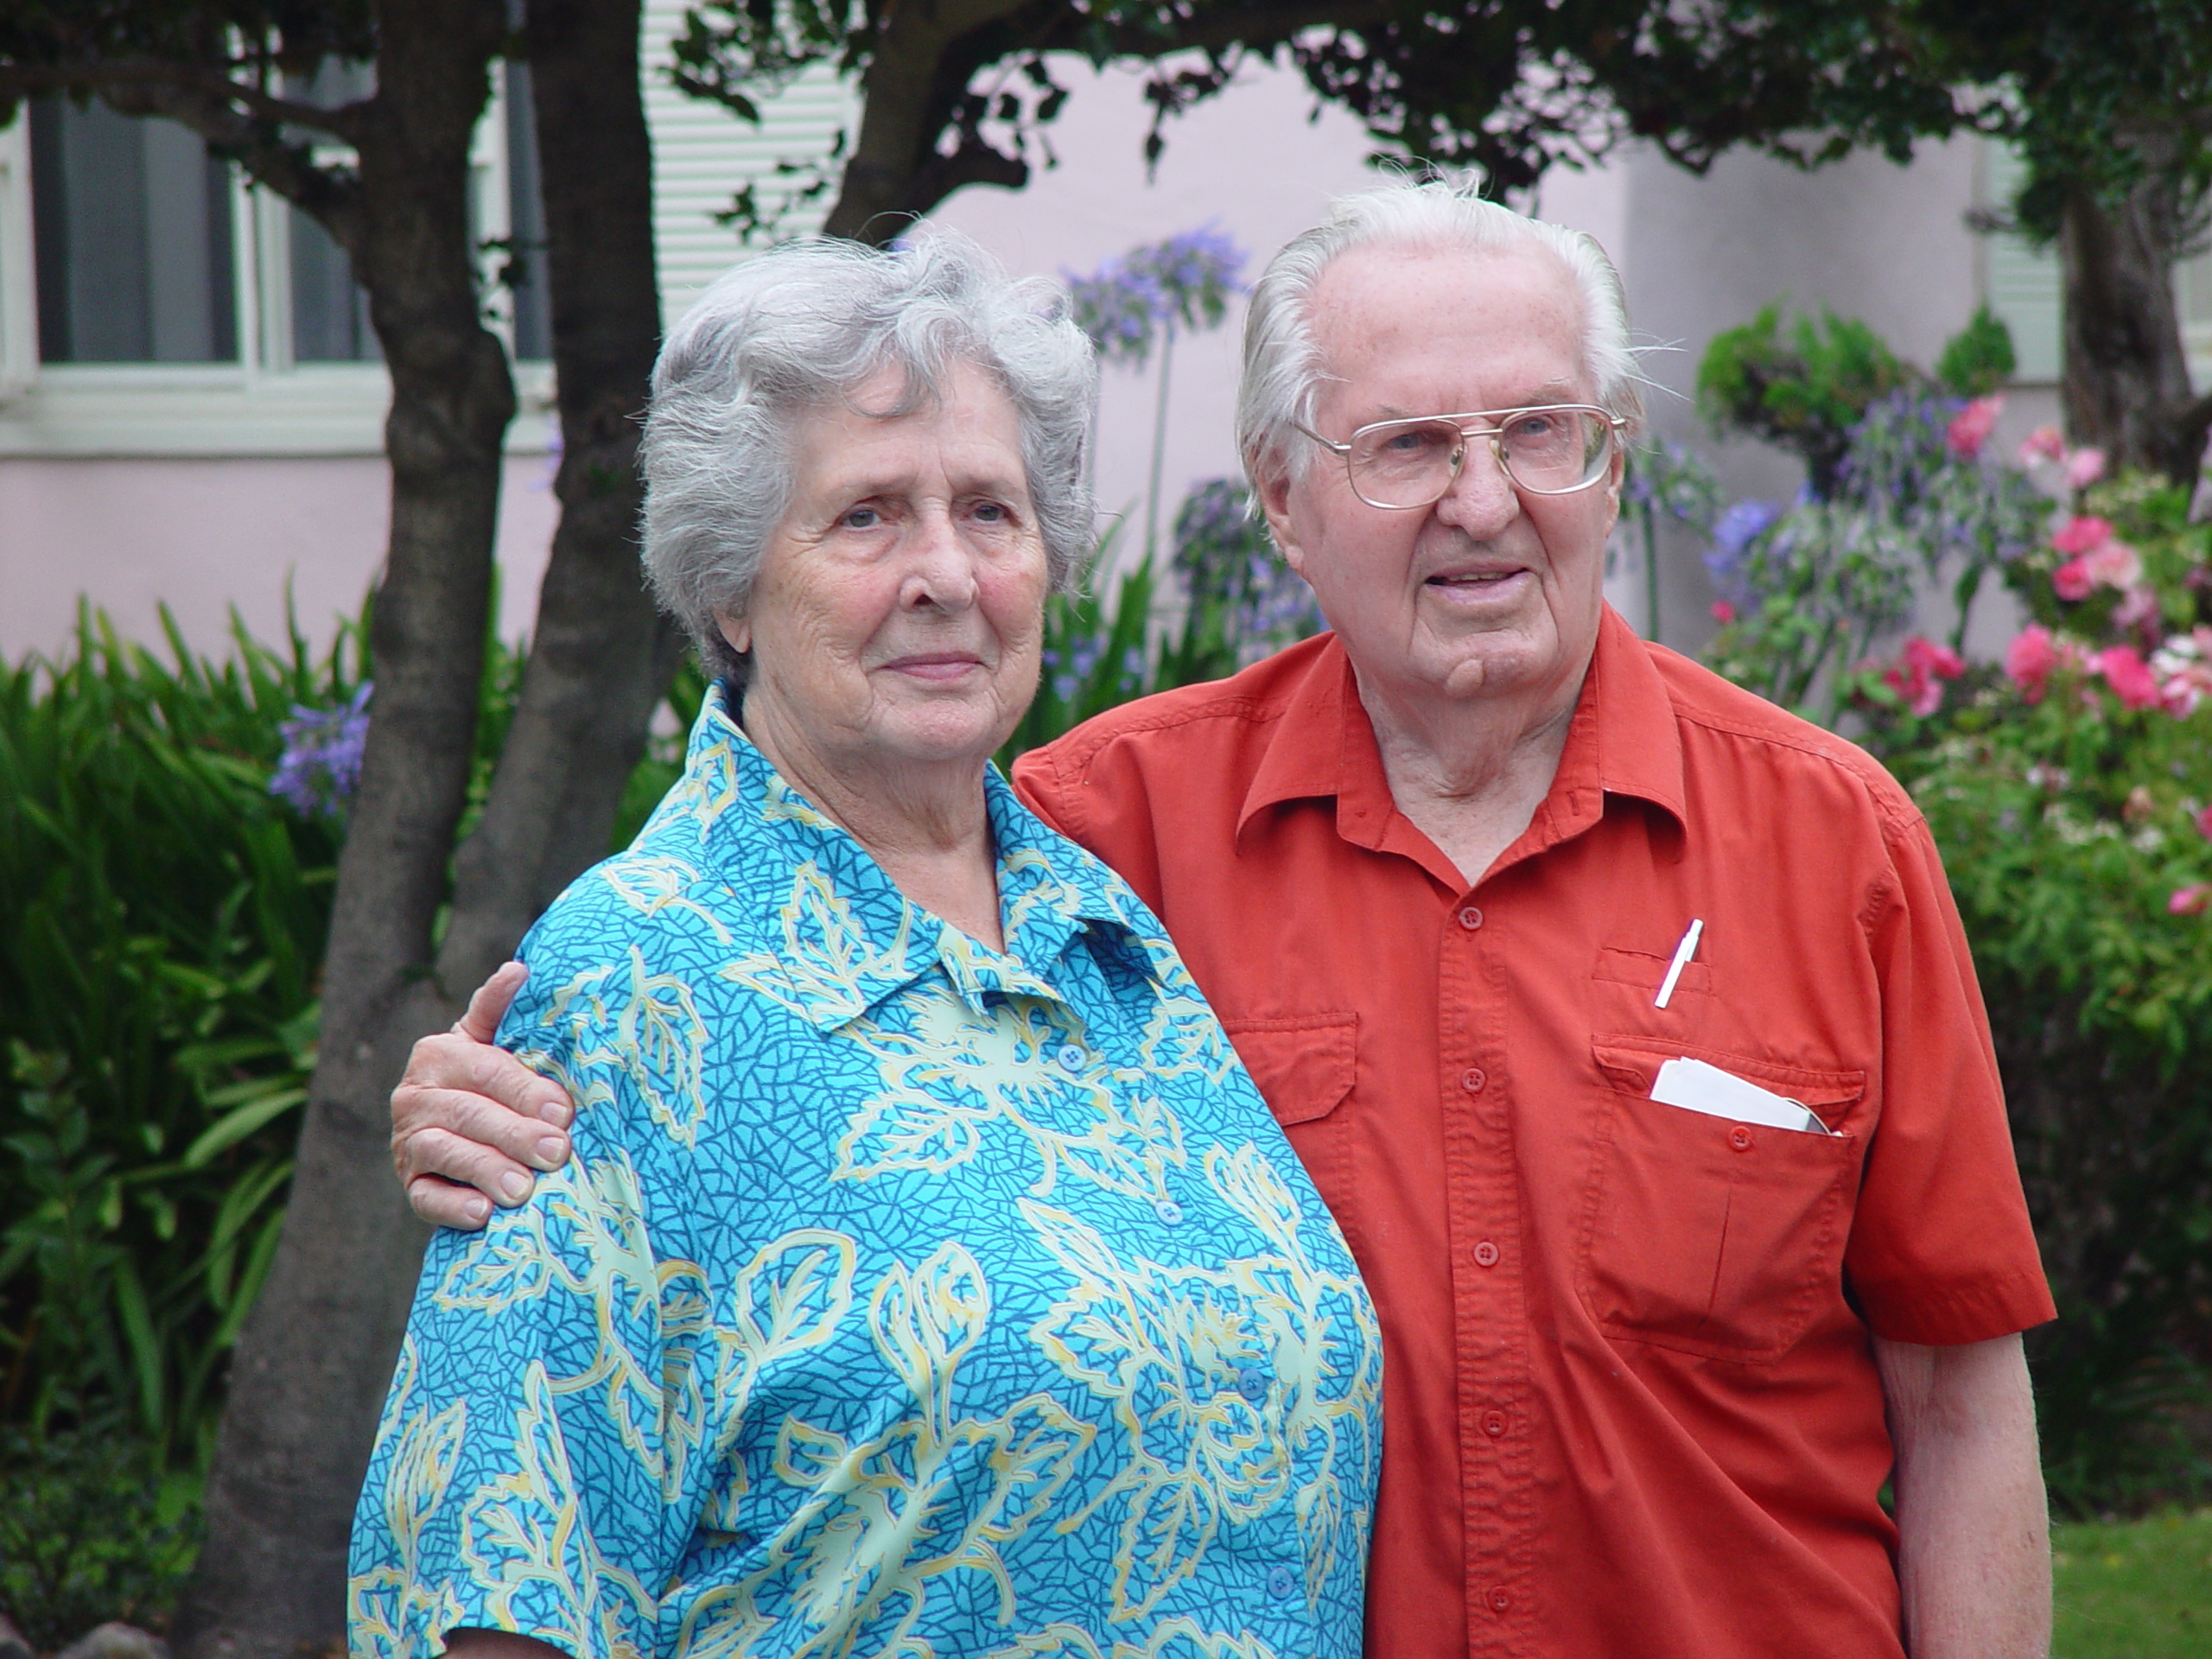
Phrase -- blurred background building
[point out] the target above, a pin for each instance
(191, 404)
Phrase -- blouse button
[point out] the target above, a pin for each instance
(1740, 1138)
(1471, 917)
(1494, 1424)
(1071, 1058)
(1252, 1383)
(1473, 1078)
(1485, 1255)
(1281, 1581)
(1499, 1601)
(1169, 1211)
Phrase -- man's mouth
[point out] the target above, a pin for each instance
(1474, 581)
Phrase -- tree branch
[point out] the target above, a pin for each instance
(974, 162)
(329, 195)
(1255, 24)
(125, 76)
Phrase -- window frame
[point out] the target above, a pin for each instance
(264, 403)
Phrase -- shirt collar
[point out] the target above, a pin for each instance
(850, 938)
(1622, 740)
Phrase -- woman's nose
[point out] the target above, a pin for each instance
(943, 568)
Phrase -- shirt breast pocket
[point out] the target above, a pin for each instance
(1706, 1235)
(1304, 1065)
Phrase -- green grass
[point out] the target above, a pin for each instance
(2134, 1589)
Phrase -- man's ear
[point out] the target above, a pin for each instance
(1271, 481)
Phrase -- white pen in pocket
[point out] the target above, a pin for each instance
(1683, 952)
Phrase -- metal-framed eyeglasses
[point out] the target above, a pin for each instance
(1551, 450)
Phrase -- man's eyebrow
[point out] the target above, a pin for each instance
(1552, 392)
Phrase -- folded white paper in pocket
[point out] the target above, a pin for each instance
(1707, 1089)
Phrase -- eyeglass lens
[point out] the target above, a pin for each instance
(1411, 463)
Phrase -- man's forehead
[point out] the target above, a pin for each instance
(1424, 305)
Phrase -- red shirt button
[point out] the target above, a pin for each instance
(1471, 917)
(1473, 1078)
(1499, 1601)
(1485, 1255)
(1740, 1138)
(1494, 1423)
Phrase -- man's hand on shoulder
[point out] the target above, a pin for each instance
(469, 1122)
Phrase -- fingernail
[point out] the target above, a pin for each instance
(557, 1112)
(550, 1151)
(476, 1211)
(514, 1187)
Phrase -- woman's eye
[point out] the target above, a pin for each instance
(861, 518)
(991, 513)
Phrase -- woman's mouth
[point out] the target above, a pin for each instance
(936, 668)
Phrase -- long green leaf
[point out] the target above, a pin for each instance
(235, 1126)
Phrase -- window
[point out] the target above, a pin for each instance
(2023, 283)
(2193, 296)
(133, 240)
(154, 302)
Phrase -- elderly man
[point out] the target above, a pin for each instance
(1623, 1020)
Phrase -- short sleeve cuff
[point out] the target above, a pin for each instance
(1975, 1311)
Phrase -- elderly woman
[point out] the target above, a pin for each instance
(928, 1279)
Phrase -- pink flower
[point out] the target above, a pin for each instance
(2030, 659)
(2129, 675)
(1919, 693)
(2072, 581)
(1723, 612)
(2044, 443)
(2204, 824)
(2115, 564)
(1931, 658)
(2081, 534)
(2189, 900)
(1919, 677)
(2137, 612)
(1971, 427)
(2084, 467)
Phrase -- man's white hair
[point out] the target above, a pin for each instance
(1283, 370)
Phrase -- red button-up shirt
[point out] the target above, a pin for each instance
(1630, 1402)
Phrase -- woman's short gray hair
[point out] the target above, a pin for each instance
(798, 329)
(1283, 371)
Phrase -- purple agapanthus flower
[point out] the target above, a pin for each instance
(1733, 532)
(1186, 281)
(321, 762)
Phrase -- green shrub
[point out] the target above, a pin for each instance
(2072, 801)
(1803, 387)
(161, 925)
(162, 918)
(91, 1531)
(1979, 358)
(2071, 795)
(1808, 588)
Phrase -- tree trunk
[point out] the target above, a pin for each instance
(920, 68)
(602, 657)
(2126, 385)
(315, 1358)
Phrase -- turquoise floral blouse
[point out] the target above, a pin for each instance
(902, 1298)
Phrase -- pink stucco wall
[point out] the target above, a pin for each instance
(204, 535)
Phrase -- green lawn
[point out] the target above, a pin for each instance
(2134, 1589)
